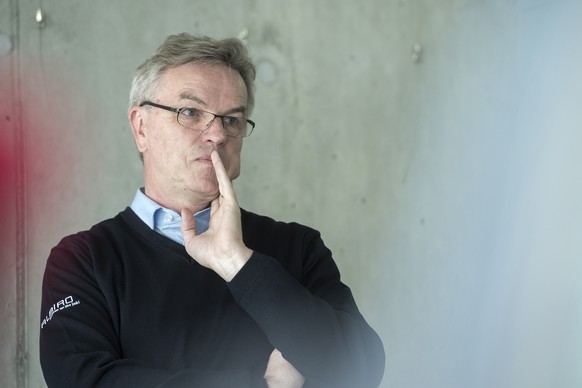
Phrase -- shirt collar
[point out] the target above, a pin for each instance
(163, 220)
(145, 207)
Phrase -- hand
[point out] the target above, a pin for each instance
(221, 247)
(281, 374)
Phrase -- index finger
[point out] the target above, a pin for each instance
(224, 183)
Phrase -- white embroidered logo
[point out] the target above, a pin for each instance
(62, 304)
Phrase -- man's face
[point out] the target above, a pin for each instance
(177, 165)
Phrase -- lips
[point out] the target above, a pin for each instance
(206, 159)
(202, 155)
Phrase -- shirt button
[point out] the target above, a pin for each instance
(169, 217)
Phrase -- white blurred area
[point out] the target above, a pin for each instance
(489, 293)
(534, 309)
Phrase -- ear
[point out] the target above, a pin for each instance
(137, 122)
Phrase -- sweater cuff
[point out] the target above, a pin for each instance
(249, 274)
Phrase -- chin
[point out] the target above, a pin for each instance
(207, 189)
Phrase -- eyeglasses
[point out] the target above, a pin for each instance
(201, 120)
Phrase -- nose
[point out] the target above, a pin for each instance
(214, 131)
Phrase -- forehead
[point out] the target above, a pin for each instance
(209, 83)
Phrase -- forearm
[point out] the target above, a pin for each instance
(83, 351)
(326, 340)
(76, 370)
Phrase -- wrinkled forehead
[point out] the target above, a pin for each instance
(208, 83)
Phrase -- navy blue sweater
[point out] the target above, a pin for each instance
(123, 306)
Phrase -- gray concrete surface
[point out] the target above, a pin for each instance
(436, 146)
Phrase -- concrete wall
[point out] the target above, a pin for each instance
(446, 181)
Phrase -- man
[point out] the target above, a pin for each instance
(184, 288)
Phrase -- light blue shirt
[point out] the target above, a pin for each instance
(166, 221)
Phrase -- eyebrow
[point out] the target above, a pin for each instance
(190, 96)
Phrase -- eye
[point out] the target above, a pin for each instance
(232, 121)
(189, 112)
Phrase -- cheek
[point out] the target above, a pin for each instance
(166, 149)
(165, 137)
(233, 167)
(234, 170)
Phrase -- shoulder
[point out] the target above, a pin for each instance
(102, 228)
(253, 223)
(260, 228)
(299, 248)
(87, 242)
(279, 238)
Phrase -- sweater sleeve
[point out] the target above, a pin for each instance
(79, 341)
(313, 320)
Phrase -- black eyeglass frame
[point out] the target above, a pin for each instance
(180, 110)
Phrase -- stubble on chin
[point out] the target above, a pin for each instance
(204, 183)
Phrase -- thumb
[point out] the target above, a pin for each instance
(188, 225)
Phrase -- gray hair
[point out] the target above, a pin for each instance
(183, 49)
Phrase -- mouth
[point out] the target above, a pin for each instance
(204, 159)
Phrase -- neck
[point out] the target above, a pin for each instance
(177, 203)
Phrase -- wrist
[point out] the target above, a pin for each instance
(231, 266)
